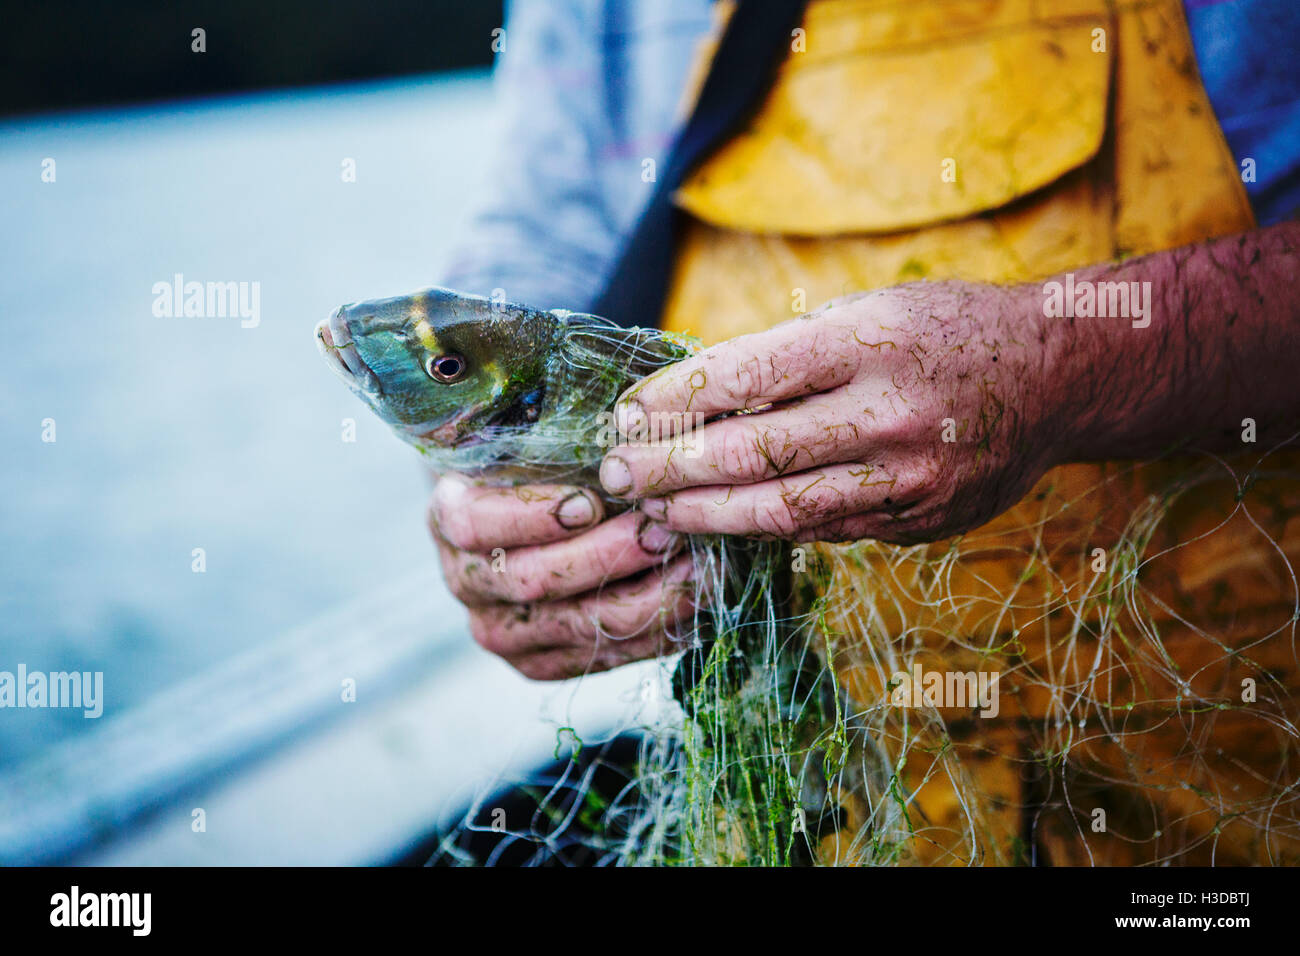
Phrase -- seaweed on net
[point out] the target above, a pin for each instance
(738, 773)
(1146, 711)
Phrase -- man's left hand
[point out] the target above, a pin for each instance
(908, 414)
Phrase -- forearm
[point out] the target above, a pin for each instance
(1222, 345)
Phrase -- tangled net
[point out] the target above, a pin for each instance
(1134, 625)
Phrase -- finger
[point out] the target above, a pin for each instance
(477, 518)
(643, 605)
(792, 360)
(784, 507)
(604, 656)
(658, 633)
(611, 551)
(740, 450)
(627, 610)
(906, 527)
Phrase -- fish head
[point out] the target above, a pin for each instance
(441, 367)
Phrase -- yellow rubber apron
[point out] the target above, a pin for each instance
(1005, 141)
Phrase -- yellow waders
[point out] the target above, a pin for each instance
(1005, 141)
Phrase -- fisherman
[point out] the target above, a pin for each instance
(938, 173)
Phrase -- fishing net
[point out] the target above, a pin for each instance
(1105, 674)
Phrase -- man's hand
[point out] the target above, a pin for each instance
(551, 587)
(907, 414)
(917, 412)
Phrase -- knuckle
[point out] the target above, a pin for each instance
(560, 625)
(576, 626)
(459, 586)
(739, 456)
(459, 528)
(773, 516)
(464, 572)
(488, 633)
(812, 500)
(624, 620)
(926, 480)
(890, 427)
(524, 581)
(607, 615)
(747, 382)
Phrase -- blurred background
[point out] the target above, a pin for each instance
(227, 735)
(69, 54)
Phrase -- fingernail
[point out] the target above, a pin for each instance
(574, 511)
(655, 538)
(631, 419)
(615, 476)
(655, 509)
(450, 490)
(451, 487)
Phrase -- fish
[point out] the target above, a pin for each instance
(500, 392)
(508, 394)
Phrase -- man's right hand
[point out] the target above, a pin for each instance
(551, 587)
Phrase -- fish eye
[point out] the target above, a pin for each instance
(446, 368)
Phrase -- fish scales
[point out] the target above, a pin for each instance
(500, 392)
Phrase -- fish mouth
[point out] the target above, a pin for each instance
(447, 434)
(334, 340)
